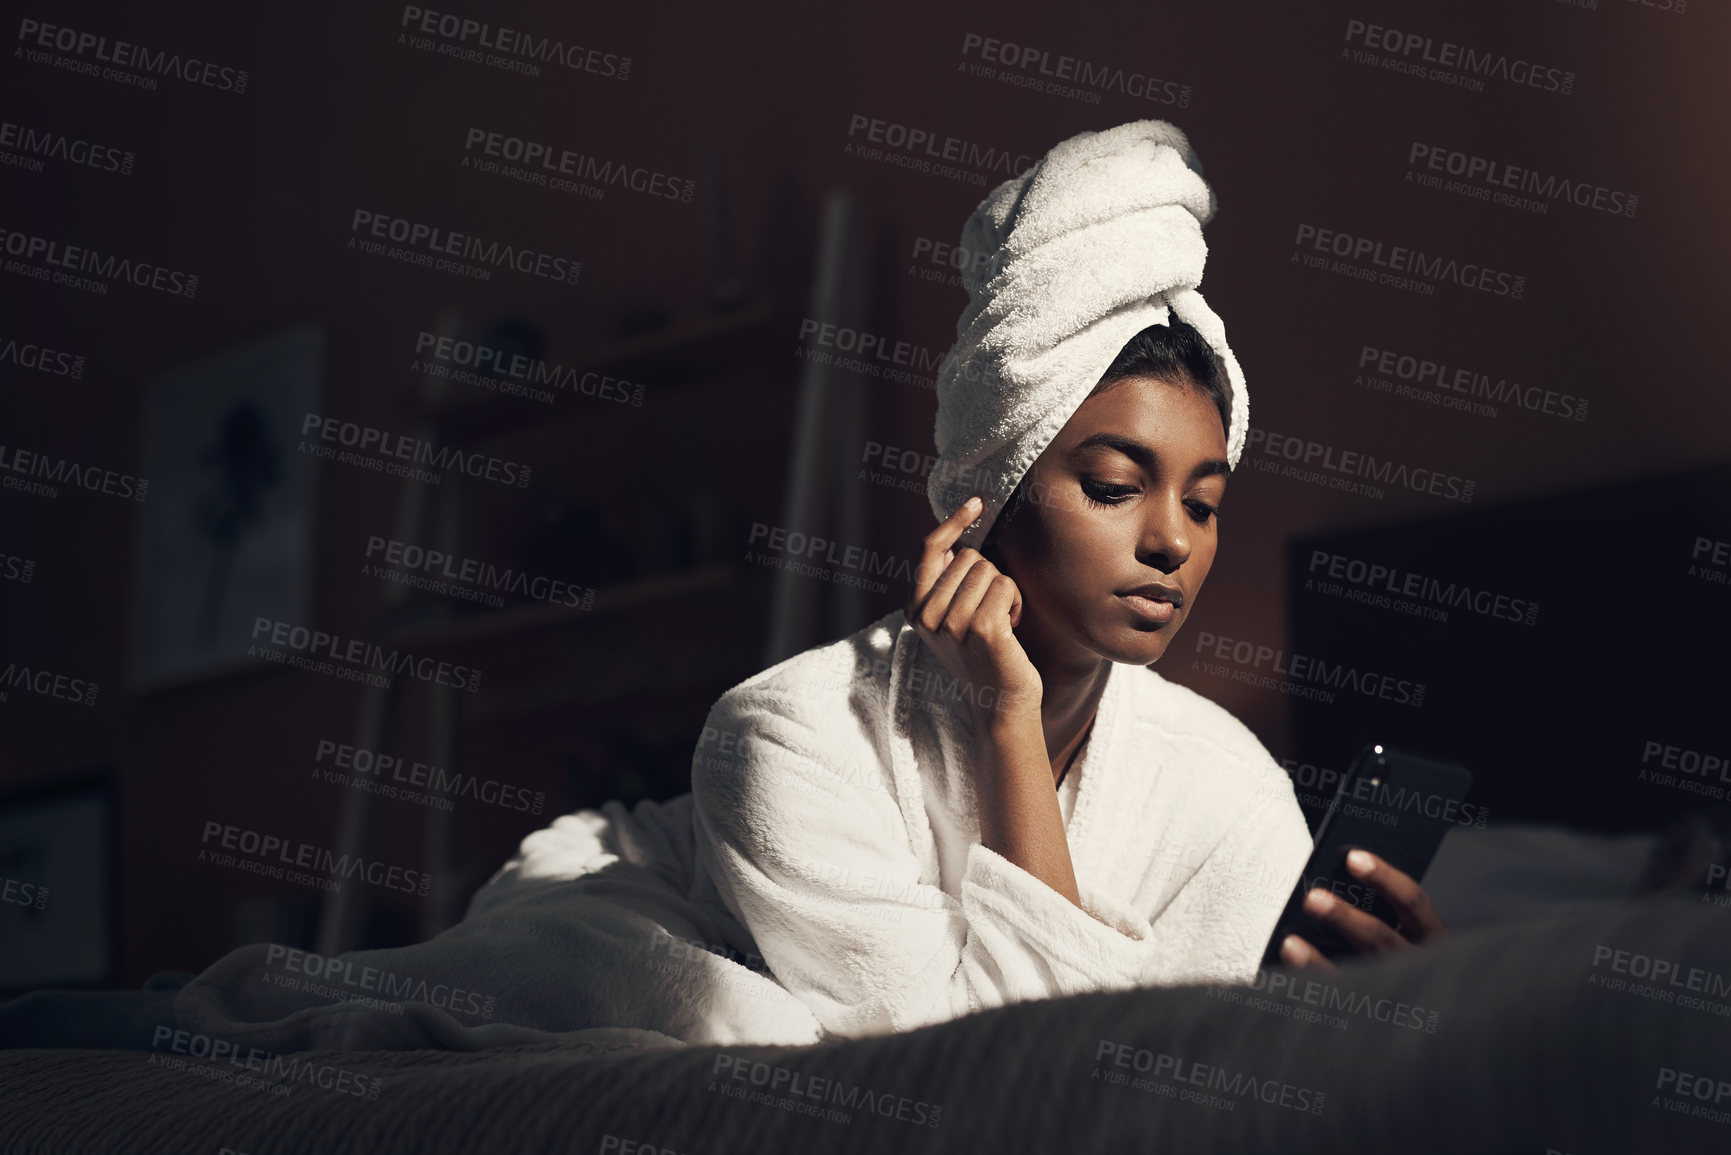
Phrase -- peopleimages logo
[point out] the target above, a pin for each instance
(1067, 76)
(47, 684)
(320, 972)
(972, 268)
(306, 856)
(403, 448)
(27, 355)
(869, 354)
(927, 151)
(121, 56)
(436, 248)
(915, 468)
(1670, 972)
(1718, 558)
(544, 164)
(1498, 182)
(1448, 62)
(510, 50)
(22, 893)
(1304, 454)
(1167, 1072)
(674, 958)
(785, 1087)
(1289, 989)
(1384, 586)
(1398, 266)
(1684, 769)
(462, 577)
(58, 263)
(1690, 1086)
(35, 145)
(1302, 675)
(520, 371)
(792, 544)
(363, 765)
(727, 749)
(274, 1066)
(1375, 799)
(1455, 387)
(64, 471)
(358, 655)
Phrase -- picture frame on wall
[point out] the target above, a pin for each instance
(226, 535)
(59, 882)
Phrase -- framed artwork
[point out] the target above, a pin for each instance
(58, 873)
(226, 534)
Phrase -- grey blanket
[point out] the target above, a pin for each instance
(1604, 1029)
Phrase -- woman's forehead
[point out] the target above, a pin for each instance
(1146, 408)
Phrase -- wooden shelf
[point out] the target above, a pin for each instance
(567, 698)
(416, 630)
(687, 350)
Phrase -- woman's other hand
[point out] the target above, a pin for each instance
(965, 609)
(1419, 921)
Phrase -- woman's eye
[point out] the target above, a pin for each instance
(1100, 493)
(1201, 511)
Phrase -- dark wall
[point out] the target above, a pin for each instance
(1564, 643)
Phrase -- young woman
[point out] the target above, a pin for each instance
(986, 796)
(989, 795)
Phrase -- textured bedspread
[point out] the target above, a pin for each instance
(1601, 1030)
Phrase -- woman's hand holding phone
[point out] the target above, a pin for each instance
(1419, 922)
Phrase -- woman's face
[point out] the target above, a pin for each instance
(1122, 500)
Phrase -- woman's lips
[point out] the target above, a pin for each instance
(1150, 610)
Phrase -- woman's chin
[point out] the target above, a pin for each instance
(1134, 647)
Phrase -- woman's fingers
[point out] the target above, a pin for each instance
(970, 589)
(1016, 682)
(1419, 920)
(1005, 598)
(1296, 951)
(1364, 930)
(934, 611)
(935, 555)
(967, 611)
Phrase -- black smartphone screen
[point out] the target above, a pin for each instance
(1394, 803)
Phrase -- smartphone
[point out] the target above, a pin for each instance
(1395, 803)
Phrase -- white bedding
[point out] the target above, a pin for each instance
(582, 936)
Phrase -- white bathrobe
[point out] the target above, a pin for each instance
(834, 816)
(824, 878)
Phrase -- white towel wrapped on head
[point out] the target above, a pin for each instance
(1092, 245)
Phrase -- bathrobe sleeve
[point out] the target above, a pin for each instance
(1232, 901)
(806, 844)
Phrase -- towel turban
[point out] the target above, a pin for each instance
(1097, 241)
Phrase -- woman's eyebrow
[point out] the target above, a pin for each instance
(1145, 456)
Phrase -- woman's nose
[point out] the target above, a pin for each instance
(1165, 543)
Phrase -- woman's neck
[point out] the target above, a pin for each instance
(1072, 681)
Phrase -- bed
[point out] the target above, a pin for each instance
(1596, 1027)
(1522, 1037)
